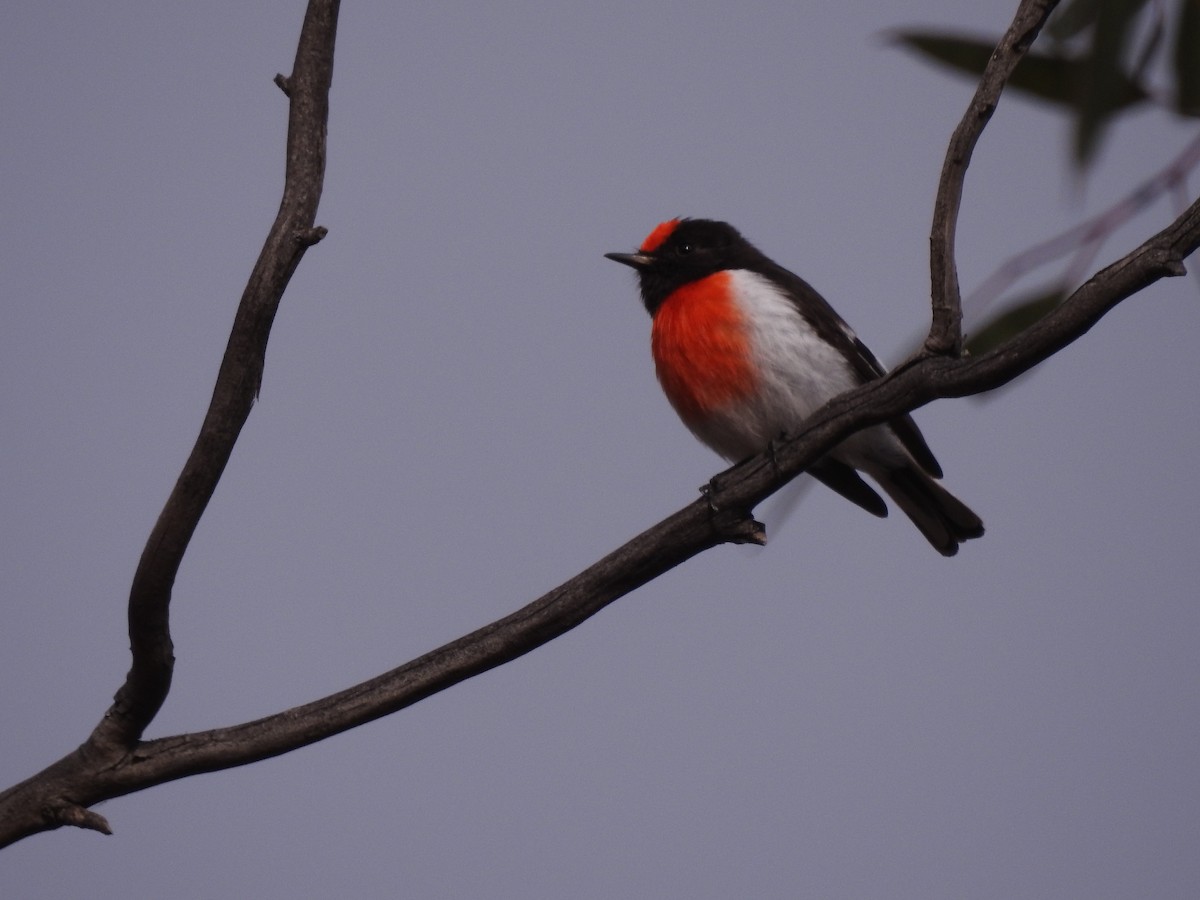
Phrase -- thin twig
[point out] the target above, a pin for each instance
(945, 331)
(1084, 239)
(61, 794)
(238, 380)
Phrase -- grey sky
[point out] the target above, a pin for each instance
(460, 411)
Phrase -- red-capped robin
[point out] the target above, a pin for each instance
(746, 350)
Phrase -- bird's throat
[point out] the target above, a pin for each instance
(701, 348)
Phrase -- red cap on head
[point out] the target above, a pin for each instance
(661, 232)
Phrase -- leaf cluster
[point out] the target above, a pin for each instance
(1098, 59)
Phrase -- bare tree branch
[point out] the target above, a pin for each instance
(238, 381)
(945, 331)
(149, 679)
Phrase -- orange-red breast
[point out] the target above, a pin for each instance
(746, 350)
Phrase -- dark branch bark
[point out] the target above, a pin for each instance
(140, 697)
(238, 381)
(945, 331)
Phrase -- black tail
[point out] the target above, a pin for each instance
(944, 519)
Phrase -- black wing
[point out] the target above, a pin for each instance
(846, 481)
(830, 327)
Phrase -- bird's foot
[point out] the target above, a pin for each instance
(773, 449)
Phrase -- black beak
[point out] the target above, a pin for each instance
(633, 260)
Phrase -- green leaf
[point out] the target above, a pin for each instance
(1013, 320)
(1050, 77)
(1073, 18)
(1103, 76)
(1187, 59)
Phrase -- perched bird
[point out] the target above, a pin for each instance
(746, 350)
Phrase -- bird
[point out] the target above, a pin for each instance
(745, 350)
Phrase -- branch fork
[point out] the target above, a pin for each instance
(945, 331)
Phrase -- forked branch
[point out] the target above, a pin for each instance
(945, 330)
(59, 795)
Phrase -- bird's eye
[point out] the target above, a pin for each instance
(685, 249)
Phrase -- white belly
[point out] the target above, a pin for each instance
(798, 373)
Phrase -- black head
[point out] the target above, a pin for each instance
(680, 251)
